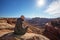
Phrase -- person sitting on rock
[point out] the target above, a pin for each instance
(19, 28)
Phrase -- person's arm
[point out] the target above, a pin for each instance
(25, 25)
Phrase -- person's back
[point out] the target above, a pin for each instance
(19, 30)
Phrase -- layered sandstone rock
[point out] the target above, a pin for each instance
(27, 36)
(52, 30)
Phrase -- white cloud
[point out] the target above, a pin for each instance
(40, 3)
(54, 8)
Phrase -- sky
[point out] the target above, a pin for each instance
(30, 8)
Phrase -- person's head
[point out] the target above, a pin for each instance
(22, 17)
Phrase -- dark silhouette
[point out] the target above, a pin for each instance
(19, 30)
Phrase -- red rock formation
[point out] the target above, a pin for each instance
(52, 31)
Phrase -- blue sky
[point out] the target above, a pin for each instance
(30, 8)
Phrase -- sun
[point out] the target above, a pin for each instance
(40, 3)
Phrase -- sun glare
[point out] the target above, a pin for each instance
(40, 3)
